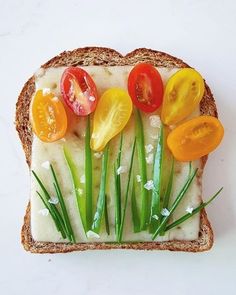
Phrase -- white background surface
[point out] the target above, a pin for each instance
(203, 34)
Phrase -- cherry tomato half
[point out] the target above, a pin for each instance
(79, 91)
(145, 87)
(195, 138)
(111, 115)
(183, 92)
(48, 117)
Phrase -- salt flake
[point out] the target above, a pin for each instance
(53, 200)
(98, 155)
(44, 212)
(46, 165)
(149, 185)
(149, 158)
(155, 121)
(165, 212)
(189, 210)
(138, 178)
(121, 169)
(92, 234)
(46, 91)
(148, 148)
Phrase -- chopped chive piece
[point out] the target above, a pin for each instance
(106, 217)
(53, 207)
(54, 217)
(127, 192)
(195, 211)
(102, 193)
(144, 218)
(175, 204)
(157, 173)
(189, 168)
(66, 219)
(77, 188)
(88, 177)
(168, 192)
(169, 185)
(134, 209)
(118, 189)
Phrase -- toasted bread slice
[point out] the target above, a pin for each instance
(107, 57)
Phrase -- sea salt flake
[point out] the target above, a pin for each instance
(91, 98)
(155, 121)
(154, 136)
(55, 98)
(149, 185)
(189, 210)
(63, 139)
(165, 212)
(53, 200)
(80, 191)
(121, 169)
(138, 178)
(46, 165)
(155, 217)
(148, 148)
(149, 158)
(92, 234)
(98, 155)
(82, 178)
(44, 212)
(46, 91)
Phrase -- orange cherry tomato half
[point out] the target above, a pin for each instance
(145, 87)
(195, 138)
(48, 117)
(79, 91)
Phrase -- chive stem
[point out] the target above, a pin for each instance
(63, 206)
(195, 211)
(102, 193)
(175, 204)
(157, 174)
(127, 192)
(88, 177)
(80, 199)
(145, 202)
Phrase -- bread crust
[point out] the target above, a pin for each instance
(107, 57)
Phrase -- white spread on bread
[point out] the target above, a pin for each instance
(42, 227)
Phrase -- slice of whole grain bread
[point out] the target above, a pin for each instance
(107, 57)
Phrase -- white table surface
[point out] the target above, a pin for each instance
(203, 34)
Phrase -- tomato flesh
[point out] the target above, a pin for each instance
(195, 138)
(113, 111)
(48, 117)
(183, 93)
(145, 87)
(79, 91)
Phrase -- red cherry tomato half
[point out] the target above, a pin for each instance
(79, 91)
(145, 87)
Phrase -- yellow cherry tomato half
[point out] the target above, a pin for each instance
(183, 92)
(48, 117)
(112, 113)
(195, 138)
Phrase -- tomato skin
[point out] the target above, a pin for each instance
(111, 116)
(183, 93)
(195, 138)
(79, 91)
(48, 117)
(145, 87)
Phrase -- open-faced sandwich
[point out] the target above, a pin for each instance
(116, 146)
